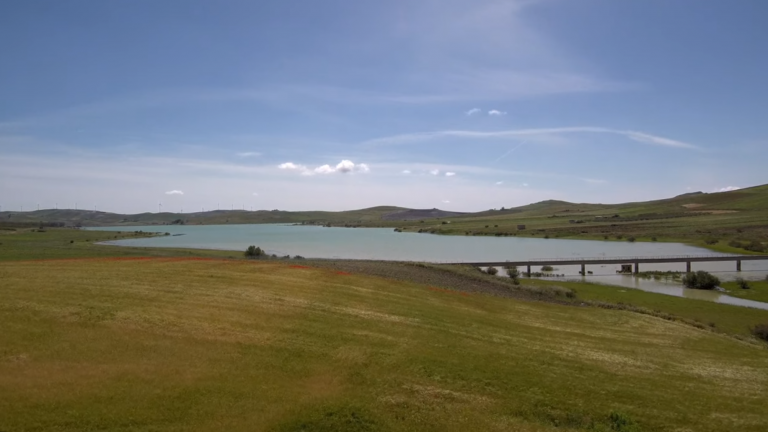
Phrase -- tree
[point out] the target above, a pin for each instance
(492, 271)
(701, 280)
(514, 274)
(253, 252)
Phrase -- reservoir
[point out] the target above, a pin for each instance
(386, 244)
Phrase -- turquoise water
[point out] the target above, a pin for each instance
(385, 244)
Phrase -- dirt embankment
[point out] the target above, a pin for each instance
(459, 278)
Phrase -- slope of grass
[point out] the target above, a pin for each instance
(706, 220)
(758, 290)
(180, 344)
(733, 320)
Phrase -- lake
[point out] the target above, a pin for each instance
(386, 244)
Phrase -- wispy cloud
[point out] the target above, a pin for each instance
(496, 113)
(499, 183)
(516, 133)
(473, 111)
(406, 172)
(727, 189)
(434, 172)
(249, 154)
(174, 192)
(450, 174)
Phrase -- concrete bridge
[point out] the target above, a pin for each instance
(635, 261)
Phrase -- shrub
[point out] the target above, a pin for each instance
(492, 271)
(701, 280)
(654, 239)
(711, 241)
(253, 252)
(761, 331)
(619, 237)
(755, 246)
(743, 284)
(547, 268)
(621, 422)
(631, 239)
(734, 243)
(71, 241)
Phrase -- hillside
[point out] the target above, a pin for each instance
(714, 220)
(726, 221)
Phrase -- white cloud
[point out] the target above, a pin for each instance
(499, 183)
(343, 167)
(525, 184)
(406, 171)
(446, 202)
(497, 113)
(325, 169)
(727, 189)
(174, 192)
(473, 111)
(434, 172)
(450, 174)
(292, 167)
(516, 133)
(248, 154)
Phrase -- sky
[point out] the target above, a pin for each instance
(466, 105)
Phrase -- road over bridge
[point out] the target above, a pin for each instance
(636, 261)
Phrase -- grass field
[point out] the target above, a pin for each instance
(732, 320)
(758, 290)
(196, 344)
(59, 243)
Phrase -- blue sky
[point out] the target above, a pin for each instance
(334, 105)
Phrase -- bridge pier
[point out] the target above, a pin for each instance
(583, 269)
(529, 271)
(637, 267)
(687, 266)
(738, 265)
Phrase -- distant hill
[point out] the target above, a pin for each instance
(742, 200)
(413, 214)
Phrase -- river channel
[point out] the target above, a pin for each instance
(385, 244)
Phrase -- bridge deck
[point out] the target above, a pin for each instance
(616, 260)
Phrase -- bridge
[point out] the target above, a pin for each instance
(635, 261)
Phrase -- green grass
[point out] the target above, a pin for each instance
(758, 290)
(733, 320)
(64, 243)
(195, 345)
